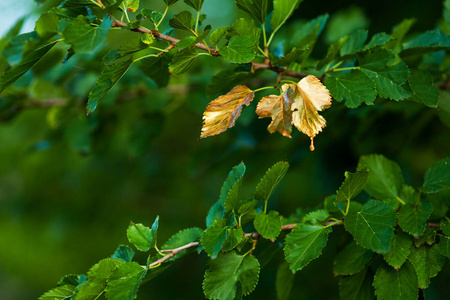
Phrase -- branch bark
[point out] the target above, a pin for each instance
(172, 253)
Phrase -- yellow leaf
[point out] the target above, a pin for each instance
(222, 112)
(313, 97)
(279, 108)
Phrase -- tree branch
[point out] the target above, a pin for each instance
(172, 253)
(214, 52)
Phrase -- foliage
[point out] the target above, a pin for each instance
(393, 238)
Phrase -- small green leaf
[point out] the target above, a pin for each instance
(271, 180)
(400, 247)
(282, 10)
(316, 216)
(156, 68)
(444, 246)
(25, 64)
(213, 237)
(437, 177)
(190, 41)
(141, 236)
(182, 61)
(47, 26)
(256, 8)
(351, 260)
(233, 200)
(355, 42)
(284, 281)
(130, 5)
(352, 186)
(428, 42)
(390, 79)
(170, 2)
(424, 90)
(124, 253)
(152, 15)
(72, 280)
(290, 57)
(428, 237)
(240, 49)
(303, 244)
(182, 238)
(378, 39)
(399, 33)
(268, 225)
(226, 271)
(412, 217)
(61, 292)
(217, 35)
(445, 227)
(84, 37)
(215, 213)
(373, 226)
(332, 53)
(391, 284)
(124, 282)
(195, 4)
(183, 20)
(234, 177)
(354, 88)
(357, 287)
(110, 75)
(245, 27)
(385, 179)
(235, 236)
(428, 262)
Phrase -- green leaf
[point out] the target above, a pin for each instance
(399, 33)
(226, 271)
(235, 236)
(25, 64)
(182, 238)
(332, 53)
(428, 42)
(124, 282)
(284, 281)
(354, 88)
(170, 2)
(215, 213)
(357, 287)
(351, 260)
(61, 292)
(153, 16)
(182, 61)
(234, 177)
(412, 217)
(72, 280)
(355, 42)
(444, 246)
(271, 180)
(217, 35)
(391, 284)
(303, 244)
(240, 49)
(213, 237)
(47, 26)
(141, 236)
(428, 237)
(409, 194)
(437, 178)
(124, 253)
(225, 80)
(373, 226)
(400, 245)
(427, 262)
(183, 20)
(256, 8)
(385, 179)
(190, 41)
(378, 39)
(268, 225)
(316, 216)
(307, 36)
(130, 5)
(445, 226)
(390, 79)
(195, 4)
(232, 201)
(110, 75)
(84, 37)
(156, 68)
(245, 27)
(424, 90)
(282, 10)
(290, 57)
(352, 186)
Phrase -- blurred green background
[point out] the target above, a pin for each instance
(71, 184)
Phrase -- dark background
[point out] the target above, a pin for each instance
(71, 184)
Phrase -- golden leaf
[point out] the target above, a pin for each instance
(279, 108)
(222, 112)
(313, 97)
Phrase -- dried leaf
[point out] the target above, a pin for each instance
(313, 97)
(279, 109)
(222, 112)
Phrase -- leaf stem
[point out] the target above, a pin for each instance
(196, 22)
(262, 51)
(344, 69)
(271, 37)
(96, 3)
(145, 56)
(162, 18)
(265, 204)
(400, 200)
(264, 88)
(264, 36)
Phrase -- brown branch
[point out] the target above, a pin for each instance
(214, 52)
(172, 253)
(100, 3)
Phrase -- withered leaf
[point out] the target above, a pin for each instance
(279, 109)
(222, 112)
(313, 97)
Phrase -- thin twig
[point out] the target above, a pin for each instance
(101, 4)
(172, 253)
